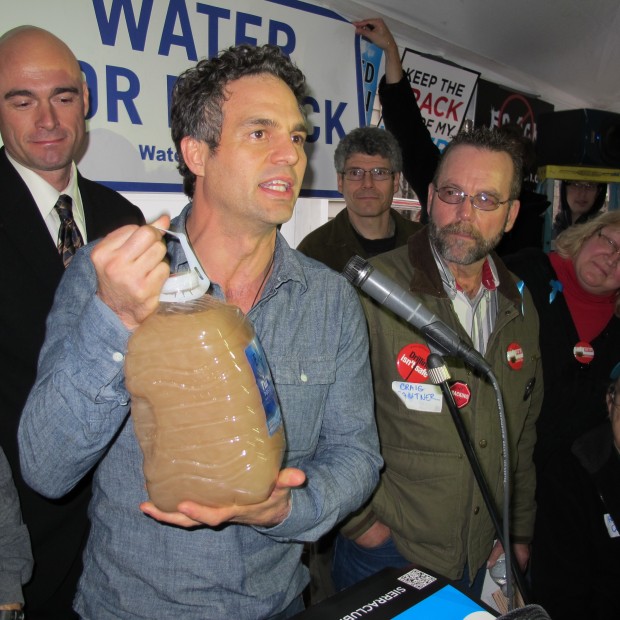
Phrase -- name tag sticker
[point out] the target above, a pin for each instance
(611, 526)
(419, 396)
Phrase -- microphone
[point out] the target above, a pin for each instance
(389, 294)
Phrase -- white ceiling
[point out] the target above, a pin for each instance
(566, 51)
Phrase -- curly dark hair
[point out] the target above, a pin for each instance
(369, 141)
(489, 140)
(200, 92)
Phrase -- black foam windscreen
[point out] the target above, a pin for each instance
(529, 612)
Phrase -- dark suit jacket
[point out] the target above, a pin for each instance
(30, 271)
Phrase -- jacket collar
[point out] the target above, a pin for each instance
(342, 231)
(30, 240)
(426, 278)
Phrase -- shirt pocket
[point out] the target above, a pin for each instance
(302, 387)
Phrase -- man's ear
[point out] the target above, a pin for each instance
(194, 154)
(429, 198)
(85, 98)
(396, 184)
(513, 211)
(340, 182)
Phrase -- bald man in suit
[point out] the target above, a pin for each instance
(43, 103)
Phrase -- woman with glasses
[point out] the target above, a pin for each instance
(576, 551)
(575, 290)
(579, 202)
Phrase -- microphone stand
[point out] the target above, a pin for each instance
(439, 375)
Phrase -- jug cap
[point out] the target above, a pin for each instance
(185, 285)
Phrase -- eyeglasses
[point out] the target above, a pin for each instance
(481, 201)
(377, 174)
(586, 187)
(609, 244)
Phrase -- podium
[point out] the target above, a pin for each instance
(403, 593)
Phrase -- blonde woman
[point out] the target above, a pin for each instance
(575, 290)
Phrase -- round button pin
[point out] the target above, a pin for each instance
(514, 355)
(411, 362)
(583, 352)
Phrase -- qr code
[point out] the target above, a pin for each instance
(417, 579)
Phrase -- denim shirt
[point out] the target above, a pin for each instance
(312, 328)
(15, 552)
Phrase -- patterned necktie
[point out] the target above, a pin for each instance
(69, 237)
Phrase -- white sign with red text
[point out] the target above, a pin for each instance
(443, 92)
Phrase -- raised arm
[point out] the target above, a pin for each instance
(378, 33)
(401, 114)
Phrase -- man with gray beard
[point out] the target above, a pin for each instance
(428, 508)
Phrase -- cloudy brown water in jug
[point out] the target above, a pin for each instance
(207, 432)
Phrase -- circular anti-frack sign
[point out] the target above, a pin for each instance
(514, 355)
(411, 363)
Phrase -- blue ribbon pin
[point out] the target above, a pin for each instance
(521, 286)
(556, 287)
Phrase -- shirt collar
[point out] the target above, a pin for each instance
(286, 262)
(490, 278)
(46, 196)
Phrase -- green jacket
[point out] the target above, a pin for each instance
(427, 494)
(335, 242)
